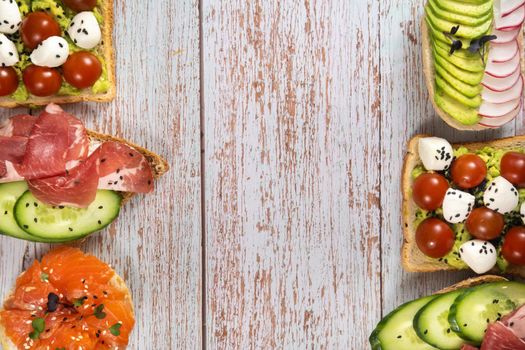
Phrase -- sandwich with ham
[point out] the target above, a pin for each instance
(60, 182)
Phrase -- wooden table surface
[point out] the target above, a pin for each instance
(285, 123)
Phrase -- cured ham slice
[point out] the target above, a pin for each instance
(13, 148)
(58, 142)
(8, 173)
(469, 347)
(76, 188)
(516, 322)
(500, 337)
(122, 168)
(19, 125)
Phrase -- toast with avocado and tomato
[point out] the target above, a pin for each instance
(56, 51)
(473, 61)
(486, 313)
(60, 182)
(464, 206)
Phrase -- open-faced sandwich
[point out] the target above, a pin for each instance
(473, 60)
(464, 205)
(60, 182)
(56, 51)
(486, 313)
(69, 300)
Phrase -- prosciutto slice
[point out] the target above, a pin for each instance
(76, 188)
(516, 322)
(52, 153)
(469, 347)
(122, 168)
(58, 142)
(19, 125)
(500, 337)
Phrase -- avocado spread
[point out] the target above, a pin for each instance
(63, 15)
(492, 158)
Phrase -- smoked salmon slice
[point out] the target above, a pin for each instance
(69, 300)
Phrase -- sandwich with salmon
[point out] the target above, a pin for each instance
(464, 206)
(484, 313)
(473, 61)
(68, 300)
(60, 182)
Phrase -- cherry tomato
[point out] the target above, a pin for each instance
(468, 171)
(82, 69)
(81, 5)
(429, 190)
(8, 81)
(434, 238)
(42, 81)
(37, 27)
(513, 168)
(485, 224)
(514, 246)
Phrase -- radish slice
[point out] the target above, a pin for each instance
(505, 36)
(497, 110)
(503, 52)
(497, 122)
(509, 6)
(509, 22)
(505, 69)
(500, 84)
(504, 96)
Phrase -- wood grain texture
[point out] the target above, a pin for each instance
(292, 173)
(406, 111)
(156, 242)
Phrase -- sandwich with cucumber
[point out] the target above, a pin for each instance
(486, 313)
(464, 206)
(60, 182)
(473, 61)
(56, 51)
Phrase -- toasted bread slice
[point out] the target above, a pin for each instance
(159, 165)
(412, 258)
(116, 282)
(471, 282)
(429, 72)
(107, 53)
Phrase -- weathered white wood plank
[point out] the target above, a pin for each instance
(156, 242)
(291, 107)
(406, 111)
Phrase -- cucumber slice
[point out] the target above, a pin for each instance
(64, 224)
(431, 323)
(476, 308)
(9, 194)
(396, 331)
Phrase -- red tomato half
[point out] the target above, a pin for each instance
(428, 190)
(8, 81)
(514, 246)
(513, 168)
(81, 5)
(434, 238)
(484, 223)
(468, 171)
(37, 27)
(82, 69)
(42, 81)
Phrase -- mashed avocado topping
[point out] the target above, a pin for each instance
(63, 15)
(492, 158)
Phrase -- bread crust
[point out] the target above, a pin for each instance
(413, 260)
(86, 95)
(429, 72)
(117, 282)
